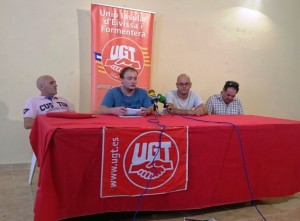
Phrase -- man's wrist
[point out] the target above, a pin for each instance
(190, 112)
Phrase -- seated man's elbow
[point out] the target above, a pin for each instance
(27, 127)
(28, 123)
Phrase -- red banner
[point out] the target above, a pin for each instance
(120, 37)
(143, 162)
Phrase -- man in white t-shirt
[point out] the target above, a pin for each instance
(46, 102)
(183, 100)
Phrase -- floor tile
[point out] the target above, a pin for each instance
(17, 202)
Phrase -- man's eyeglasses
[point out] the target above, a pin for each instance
(184, 84)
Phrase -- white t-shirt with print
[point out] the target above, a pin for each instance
(43, 104)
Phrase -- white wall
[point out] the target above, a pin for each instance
(213, 41)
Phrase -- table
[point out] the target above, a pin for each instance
(69, 156)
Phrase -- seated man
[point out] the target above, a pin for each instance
(225, 103)
(128, 95)
(183, 101)
(46, 102)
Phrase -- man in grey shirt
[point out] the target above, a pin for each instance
(183, 100)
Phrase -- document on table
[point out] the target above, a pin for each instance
(131, 112)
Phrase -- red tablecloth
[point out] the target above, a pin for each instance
(69, 156)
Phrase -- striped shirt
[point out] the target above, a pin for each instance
(215, 105)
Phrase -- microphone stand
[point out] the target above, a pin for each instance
(155, 109)
(165, 108)
(165, 105)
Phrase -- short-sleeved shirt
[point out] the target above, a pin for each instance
(43, 104)
(216, 105)
(192, 101)
(115, 98)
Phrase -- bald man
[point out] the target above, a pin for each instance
(46, 102)
(183, 100)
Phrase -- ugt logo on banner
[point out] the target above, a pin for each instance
(119, 53)
(141, 159)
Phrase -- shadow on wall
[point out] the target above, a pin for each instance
(84, 29)
(15, 146)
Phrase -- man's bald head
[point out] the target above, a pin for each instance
(47, 85)
(183, 76)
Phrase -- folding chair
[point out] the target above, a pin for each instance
(32, 168)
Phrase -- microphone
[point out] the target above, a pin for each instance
(153, 96)
(154, 100)
(162, 99)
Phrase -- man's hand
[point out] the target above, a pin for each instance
(118, 110)
(144, 111)
(201, 110)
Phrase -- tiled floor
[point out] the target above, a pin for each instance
(17, 201)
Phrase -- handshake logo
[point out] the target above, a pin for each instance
(151, 170)
(151, 157)
(117, 54)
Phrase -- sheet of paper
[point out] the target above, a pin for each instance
(132, 112)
